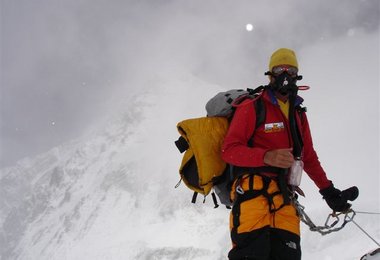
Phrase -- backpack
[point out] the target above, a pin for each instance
(202, 168)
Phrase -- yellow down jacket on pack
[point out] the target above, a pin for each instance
(202, 161)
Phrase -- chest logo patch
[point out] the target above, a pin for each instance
(274, 127)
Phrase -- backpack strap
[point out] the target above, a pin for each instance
(195, 195)
(260, 116)
(260, 112)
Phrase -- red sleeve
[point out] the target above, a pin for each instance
(235, 150)
(312, 166)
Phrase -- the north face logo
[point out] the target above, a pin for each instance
(292, 244)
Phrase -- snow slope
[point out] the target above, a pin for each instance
(110, 194)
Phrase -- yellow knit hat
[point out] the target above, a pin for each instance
(283, 56)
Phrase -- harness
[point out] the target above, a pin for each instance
(251, 193)
(242, 196)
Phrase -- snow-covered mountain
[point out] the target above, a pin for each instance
(110, 194)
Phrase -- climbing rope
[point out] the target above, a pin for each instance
(377, 243)
(366, 212)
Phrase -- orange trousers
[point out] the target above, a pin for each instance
(261, 223)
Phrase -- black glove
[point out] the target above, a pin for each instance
(337, 200)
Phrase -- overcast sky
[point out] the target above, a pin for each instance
(65, 63)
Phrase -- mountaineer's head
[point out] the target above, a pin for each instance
(283, 70)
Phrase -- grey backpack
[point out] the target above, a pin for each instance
(222, 104)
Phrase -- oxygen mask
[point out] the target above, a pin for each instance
(284, 83)
(284, 79)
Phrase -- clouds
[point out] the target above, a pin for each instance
(67, 61)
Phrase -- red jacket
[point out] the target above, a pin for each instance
(274, 133)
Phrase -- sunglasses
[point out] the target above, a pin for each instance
(292, 71)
